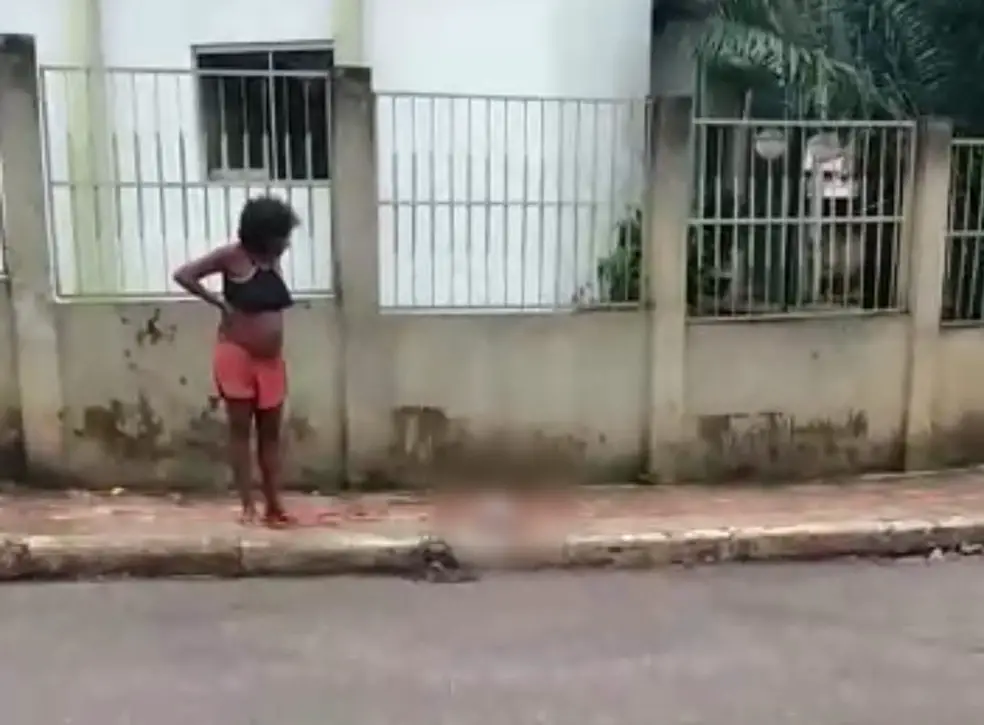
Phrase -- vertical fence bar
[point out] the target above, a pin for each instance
(432, 196)
(469, 197)
(975, 305)
(452, 202)
(541, 249)
(524, 202)
(505, 202)
(487, 239)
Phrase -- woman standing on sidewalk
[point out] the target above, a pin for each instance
(248, 364)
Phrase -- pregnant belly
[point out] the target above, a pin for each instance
(262, 335)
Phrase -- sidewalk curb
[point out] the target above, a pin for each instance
(28, 557)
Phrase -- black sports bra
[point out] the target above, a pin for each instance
(263, 291)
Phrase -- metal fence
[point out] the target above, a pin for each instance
(963, 282)
(797, 217)
(509, 203)
(485, 202)
(149, 167)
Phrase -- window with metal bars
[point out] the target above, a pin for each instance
(265, 112)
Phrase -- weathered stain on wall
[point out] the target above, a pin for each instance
(12, 460)
(134, 441)
(152, 331)
(140, 404)
(770, 445)
(960, 443)
(134, 431)
(125, 431)
(428, 444)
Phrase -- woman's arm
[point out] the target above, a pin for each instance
(189, 276)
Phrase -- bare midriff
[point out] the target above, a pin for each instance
(260, 334)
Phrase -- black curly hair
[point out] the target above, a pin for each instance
(265, 225)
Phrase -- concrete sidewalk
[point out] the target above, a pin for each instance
(90, 536)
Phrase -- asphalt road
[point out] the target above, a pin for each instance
(865, 644)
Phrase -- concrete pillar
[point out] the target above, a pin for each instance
(28, 263)
(348, 31)
(927, 207)
(367, 363)
(667, 213)
(97, 254)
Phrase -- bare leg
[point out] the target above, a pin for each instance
(240, 415)
(269, 455)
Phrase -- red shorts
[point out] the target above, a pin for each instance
(240, 376)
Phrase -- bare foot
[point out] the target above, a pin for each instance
(248, 515)
(277, 518)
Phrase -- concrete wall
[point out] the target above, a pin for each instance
(958, 435)
(120, 393)
(470, 396)
(531, 396)
(790, 399)
(527, 397)
(140, 406)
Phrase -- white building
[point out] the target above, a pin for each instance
(504, 201)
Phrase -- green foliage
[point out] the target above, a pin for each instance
(850, 58)
(619, 273)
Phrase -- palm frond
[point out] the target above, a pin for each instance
(841, 57)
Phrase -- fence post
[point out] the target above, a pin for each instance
(366, 362)
(28, 264)
(926, 244)
(668, 188)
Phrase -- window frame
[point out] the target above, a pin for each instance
(264, 175)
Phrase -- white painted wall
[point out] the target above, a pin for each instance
(513, 213)
(514, 205)
(43, 19)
